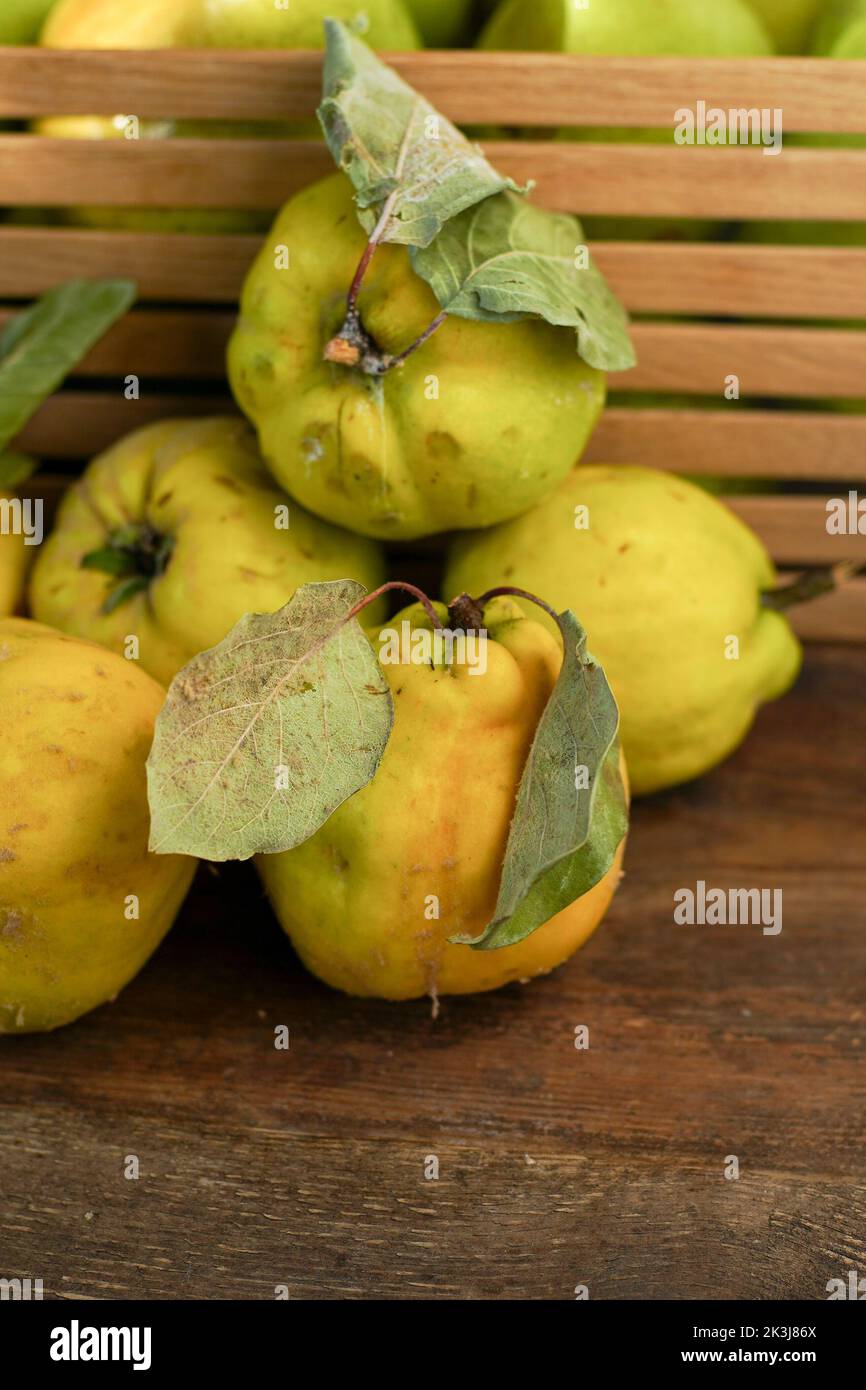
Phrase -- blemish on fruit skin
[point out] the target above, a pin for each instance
(13, 924)
(6, 855)
(624, 548)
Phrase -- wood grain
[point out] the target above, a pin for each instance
(714, 278)
(696, 359)
(732, 442)
(557, 1167)
(543, 89)
(619, 179)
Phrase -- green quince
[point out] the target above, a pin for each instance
(668, 583)
(475, 427)
(172, 535)
(442, 22)
(373, 898)
(21, 20)
(791, 22)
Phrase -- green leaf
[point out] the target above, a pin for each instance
(507, 260)
(402, 157)
(562, 840)
(265, 735)
(41, 345)
(136, 584)
(109, 560)
(15, 469)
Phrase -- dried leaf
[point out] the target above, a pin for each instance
(265, 735)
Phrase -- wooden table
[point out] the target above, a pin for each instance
(557, 1167)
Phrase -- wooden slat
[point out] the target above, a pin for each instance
(697, 359)
(746, 281)
(159, 343)
(671, 357)
(712, 278)
(777, 445)
(78, 424)
(167, 266)
(588, 178)
(797, 445)
(529, 88)
(794, 530)
(837, 617)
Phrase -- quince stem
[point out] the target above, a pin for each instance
(353, 346)
(811, 585)
(507, 591)
(396, 584)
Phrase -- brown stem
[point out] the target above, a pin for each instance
(428, 333)
(811, 585)
(396, 584)
(363, 266)
(507, 591)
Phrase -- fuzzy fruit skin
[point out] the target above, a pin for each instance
(201, 482)
(516, 404)
(76, 725)
(14, 559)
(664, 574)
(434, 820)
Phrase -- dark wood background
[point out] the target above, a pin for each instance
(556, 1167)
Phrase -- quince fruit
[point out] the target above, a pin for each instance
(668, 584)
(14, 559)
(475, 427)
(21, 20)
(116, 24)
(791, 22)
(82, 902)
(356, 899)
(195, 535)
(442, 22)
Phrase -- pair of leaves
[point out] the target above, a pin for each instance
(265, 735)
(41, 345)
(485, 252)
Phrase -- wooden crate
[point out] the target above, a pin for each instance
(716, 308)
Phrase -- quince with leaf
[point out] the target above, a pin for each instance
(427, 355)
(672, 589)
(174, 533)
(335, 758)
(82, 902)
